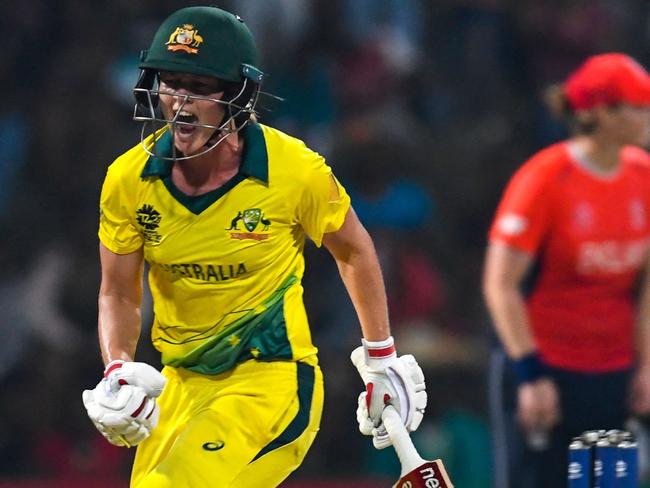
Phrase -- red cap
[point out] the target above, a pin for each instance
(608, 79)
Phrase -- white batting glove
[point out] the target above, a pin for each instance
(380, 438)
(122, 406)
(147, 377)
(390, 380)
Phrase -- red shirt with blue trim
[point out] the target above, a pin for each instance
(590, 232)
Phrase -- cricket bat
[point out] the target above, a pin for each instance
(416, 472)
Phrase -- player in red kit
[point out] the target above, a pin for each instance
(577, 346)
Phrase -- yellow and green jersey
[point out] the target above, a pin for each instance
(225, 267)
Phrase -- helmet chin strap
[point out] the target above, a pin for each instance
(220, 134)
(215, 139)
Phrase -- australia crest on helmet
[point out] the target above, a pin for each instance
(185, 38)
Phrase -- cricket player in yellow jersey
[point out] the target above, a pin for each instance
(220, 206)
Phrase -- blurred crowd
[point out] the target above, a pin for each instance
(423, 108)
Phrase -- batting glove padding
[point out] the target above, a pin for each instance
(123, 406)
(147, 377)
(380, 438)
(389, 380)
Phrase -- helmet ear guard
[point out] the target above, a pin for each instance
(252, 73)
(146, 97)
(242, 96)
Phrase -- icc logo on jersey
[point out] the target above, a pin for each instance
(637, 214)
(583, 217)
(149, 219)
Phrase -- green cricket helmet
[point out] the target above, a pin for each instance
(205, 41)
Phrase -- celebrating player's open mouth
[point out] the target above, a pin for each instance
(183, 121)
(186, 133)
(192, 118)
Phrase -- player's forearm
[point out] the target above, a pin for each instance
(356, 258)
(643, 326)
(362, 277)
(643, 344)
(119, 327)
(505, 268)
(508, 310)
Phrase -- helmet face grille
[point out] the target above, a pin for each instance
(239, 101)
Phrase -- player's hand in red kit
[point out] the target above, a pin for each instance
(538, 405)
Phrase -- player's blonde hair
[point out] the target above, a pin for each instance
(555, 99)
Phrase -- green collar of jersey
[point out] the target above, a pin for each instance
(254, 164)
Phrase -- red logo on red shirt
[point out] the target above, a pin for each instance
(637, 215)
(583, 216)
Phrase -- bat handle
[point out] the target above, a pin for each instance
(406, 452)
(126, 443)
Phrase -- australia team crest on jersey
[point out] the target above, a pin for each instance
(185, 38)
(148, 218)
(254, 225)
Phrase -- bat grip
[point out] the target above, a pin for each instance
(126, 443)
(406, 452)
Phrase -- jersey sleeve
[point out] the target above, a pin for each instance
(116, 229)
(523, 216)
(323, 202)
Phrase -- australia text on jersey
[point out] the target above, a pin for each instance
(206, 272)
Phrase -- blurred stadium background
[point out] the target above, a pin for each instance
(423, 108)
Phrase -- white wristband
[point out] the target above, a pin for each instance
(379, 354)
(112, 366)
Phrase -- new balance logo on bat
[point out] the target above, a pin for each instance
(427, 475)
